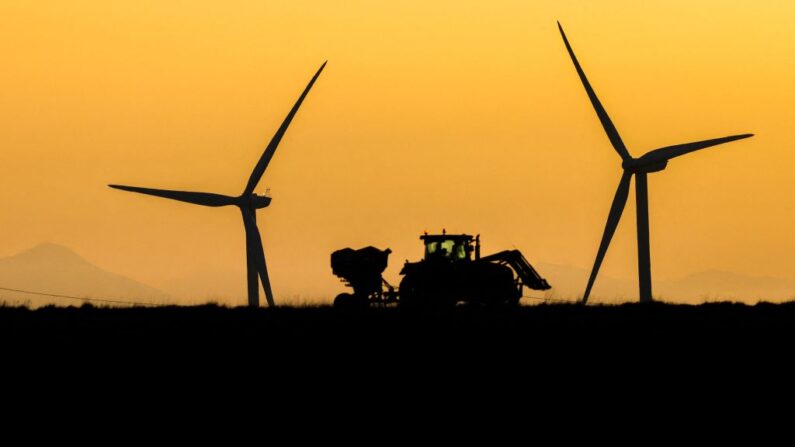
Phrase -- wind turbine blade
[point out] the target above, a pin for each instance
(257, 255)
(619, 201)
(263, 275)
(607, 124)
(669, 152)
(197, 198)
(259, 169)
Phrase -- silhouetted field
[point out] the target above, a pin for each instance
(467, 354)
(548, 330)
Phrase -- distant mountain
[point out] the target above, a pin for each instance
(56, 269)
(569, 282)
(718, 286)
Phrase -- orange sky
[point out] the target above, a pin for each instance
(466, 115)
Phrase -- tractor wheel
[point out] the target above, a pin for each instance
(359, 302)
(350, 301)
(343, 301)
(416, 294)
(442, 299)
(513, 300)
(498, 289)
(507, 297)
(410, 296)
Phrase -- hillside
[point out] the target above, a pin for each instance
(55, 269)
(569, 282)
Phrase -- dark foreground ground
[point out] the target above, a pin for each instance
(562, 332)
(660, 356)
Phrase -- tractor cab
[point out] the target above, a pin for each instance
(450, 247)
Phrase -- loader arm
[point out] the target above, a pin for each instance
(514, 259)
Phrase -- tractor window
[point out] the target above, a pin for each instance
(459, 253)
(434, 249)
(448, 249)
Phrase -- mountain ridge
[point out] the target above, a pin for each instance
(56, 269)
(568, 282)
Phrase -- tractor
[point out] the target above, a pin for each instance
(451, 272)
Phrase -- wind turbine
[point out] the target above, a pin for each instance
(248, 202)
(652, 161)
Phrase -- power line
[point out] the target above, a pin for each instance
(550, 299)
(54, 295)
(138, 303)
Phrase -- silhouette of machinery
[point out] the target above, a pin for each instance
(361, 270)
(451, 272)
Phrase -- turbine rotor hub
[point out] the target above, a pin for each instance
(639, 165)
(253, 201)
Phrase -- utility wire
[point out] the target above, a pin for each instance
(138, 303)
(54, 295)
(550, 299)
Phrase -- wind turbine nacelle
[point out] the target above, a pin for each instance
(258, 202)
(638, 165)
